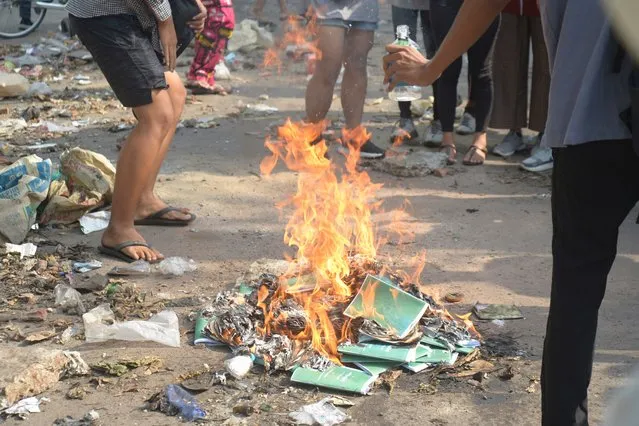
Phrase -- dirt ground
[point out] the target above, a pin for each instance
(487, 233)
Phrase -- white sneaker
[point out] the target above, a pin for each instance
(429, 114)
(467, 125)
(513, 142)
(540, 160)
(434, 135)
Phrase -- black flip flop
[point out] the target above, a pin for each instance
(157, 219)
(117, 252)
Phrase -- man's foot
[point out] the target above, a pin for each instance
(475, 156)
(112, 238)
(405, 132)
(434, 135)
(513, 142)
(151, 205)
(467, 125)
(540, 160)
(25, 24)
(369, 151)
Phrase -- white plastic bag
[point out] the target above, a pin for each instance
(162, 328)
(177, 266)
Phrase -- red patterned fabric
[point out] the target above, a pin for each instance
(211, 42)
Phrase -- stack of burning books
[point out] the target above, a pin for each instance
(387, 324)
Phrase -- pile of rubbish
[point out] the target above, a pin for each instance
(30, 190)
(388, 323)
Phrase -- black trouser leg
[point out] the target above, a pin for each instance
(480, 57)
(595, 185)
(431, 49)
(442, 16)
(25, 10)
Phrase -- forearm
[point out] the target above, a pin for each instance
(473, 19)
(161, 9)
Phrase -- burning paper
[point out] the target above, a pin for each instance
(384, 303)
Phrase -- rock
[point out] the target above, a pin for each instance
(244, 37)
(39, 89)
(13, 85)
(441, 172)
(410, 164)
(31, 113)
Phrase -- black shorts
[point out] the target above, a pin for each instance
(125, 54)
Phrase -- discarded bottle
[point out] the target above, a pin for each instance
(177, 266)
(188, 407)
(136, 269)
(402, 91)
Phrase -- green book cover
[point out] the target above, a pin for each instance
(416, 367)
(339, 378)
(435, 343)
(463, 350)
(375, 368)
(383, 351)
(439, 356)
(389, 306)
(199, 335)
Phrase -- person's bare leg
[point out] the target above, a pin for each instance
(149, 201)
(477, 156)
(358, 44)
(133, 169)
(448, 146)
(319, 92)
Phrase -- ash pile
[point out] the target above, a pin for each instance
(346, 342)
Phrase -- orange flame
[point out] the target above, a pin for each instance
(302, 38)
(331, 219)
(469, 325)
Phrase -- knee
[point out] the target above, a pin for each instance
(158, 121)
(178, 99)
(355, 64)
(327, 72)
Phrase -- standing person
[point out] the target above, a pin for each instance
(210, 46)
(408, 12)
(132, 41)
(520, 28)
(595, 181)
(345, 36)
(443, 13)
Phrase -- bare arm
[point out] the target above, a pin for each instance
(407, 65)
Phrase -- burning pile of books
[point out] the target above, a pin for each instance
(387, 324)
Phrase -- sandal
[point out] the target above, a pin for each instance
(451, 152)
(158, 219)
(117, 253)
(472, 151)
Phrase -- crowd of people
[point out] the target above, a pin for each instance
(580, 110)
(498, 71)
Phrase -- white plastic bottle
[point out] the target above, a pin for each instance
(402, 91)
